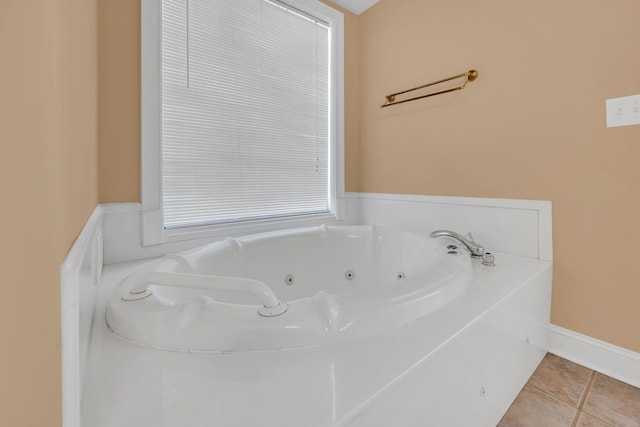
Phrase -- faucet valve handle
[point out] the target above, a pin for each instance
(488, 259)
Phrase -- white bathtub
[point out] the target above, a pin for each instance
(301, 288)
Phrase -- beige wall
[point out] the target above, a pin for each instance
(532, 127)
(48, 180)
(119, 100)
(119, 97)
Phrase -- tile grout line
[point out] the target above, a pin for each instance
(554, 397)
(590, 385)
(583, 398)
(576, 417)
(587, 389)
(548, 393)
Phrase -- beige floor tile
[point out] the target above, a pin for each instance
(561, 378)
(614, 402)
(587, 420)
(533, 408)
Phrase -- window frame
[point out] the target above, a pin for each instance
(152, 221)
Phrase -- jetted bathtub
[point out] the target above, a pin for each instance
(288, 289)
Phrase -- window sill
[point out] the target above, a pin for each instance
(249, 227)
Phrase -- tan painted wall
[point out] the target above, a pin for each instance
(119, 100)
(119, 97)
(48, 180)
(532, 127)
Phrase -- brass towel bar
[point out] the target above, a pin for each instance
(469, 76)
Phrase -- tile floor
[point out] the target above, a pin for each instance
(561, 393)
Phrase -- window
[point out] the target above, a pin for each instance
(242, 115)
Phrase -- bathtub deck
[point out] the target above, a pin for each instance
(131, 386)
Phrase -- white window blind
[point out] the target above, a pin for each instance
(245, 112)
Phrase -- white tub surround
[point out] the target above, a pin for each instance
(520, 227)
(129, 385)
(469, 358)
(288, 289)
(460, 365)
(123, 230)
(476, 375)
(79, 279)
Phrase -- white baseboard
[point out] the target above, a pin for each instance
(611, 360)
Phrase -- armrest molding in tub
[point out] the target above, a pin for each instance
(137, 287)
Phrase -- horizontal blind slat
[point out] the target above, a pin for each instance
(245, 112)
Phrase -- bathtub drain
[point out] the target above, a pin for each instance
(289, 279)
(401, 276)
(349, 275)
